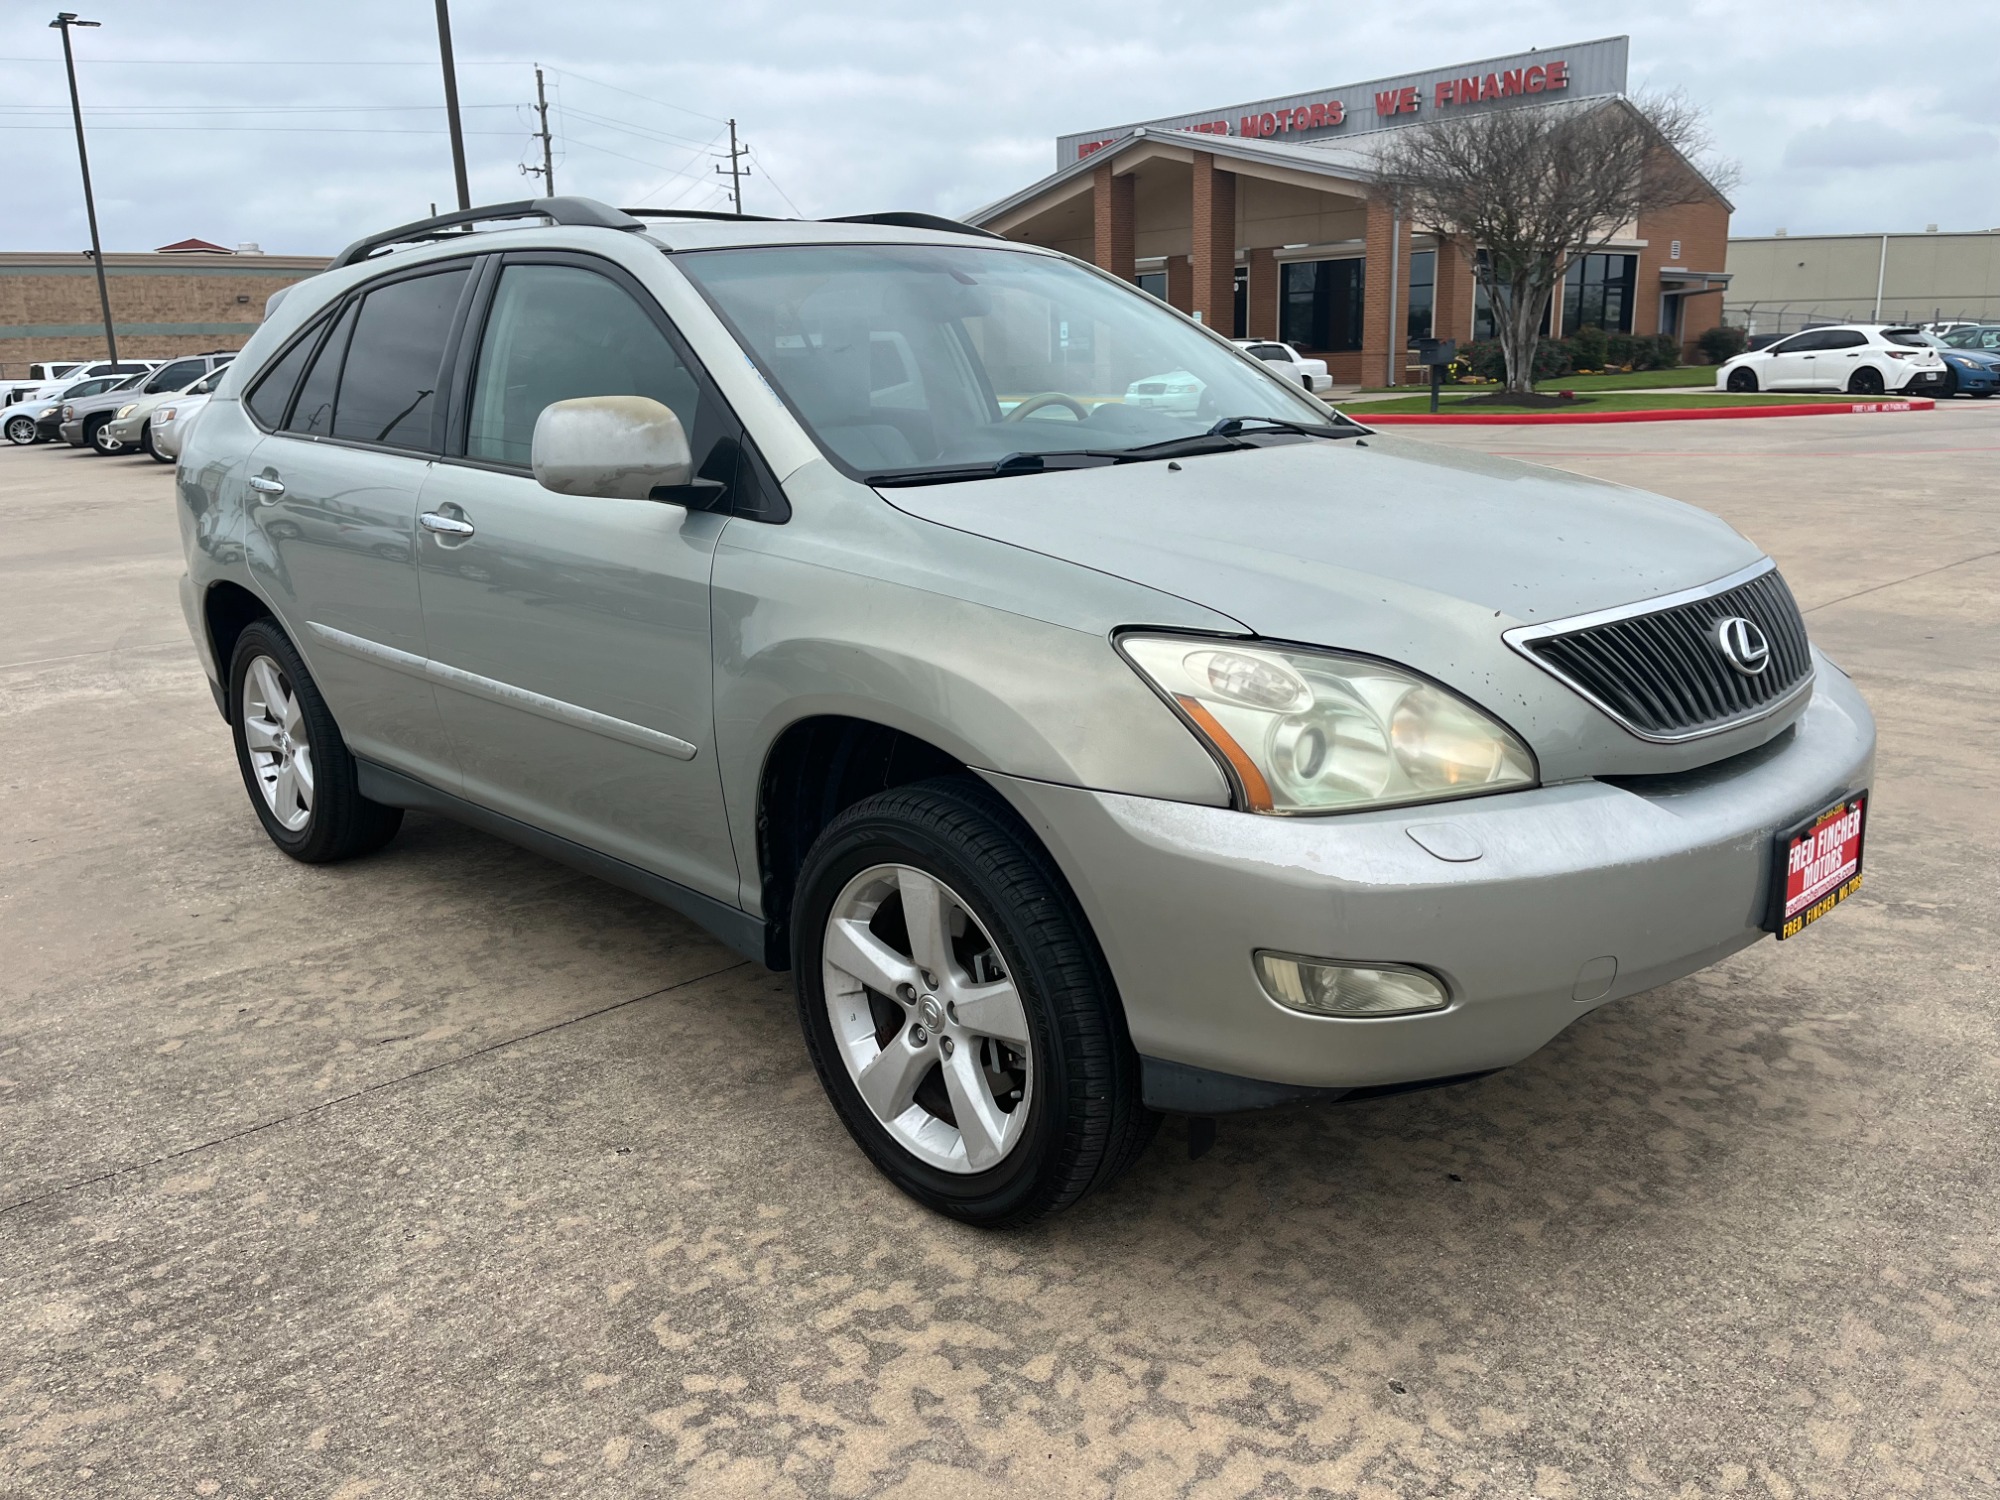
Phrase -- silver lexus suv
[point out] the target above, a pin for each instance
(1084, 758)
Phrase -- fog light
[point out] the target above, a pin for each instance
(1321, 988)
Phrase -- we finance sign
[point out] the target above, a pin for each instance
(1583, 69)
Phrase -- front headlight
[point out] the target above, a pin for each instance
(126, 411)
(69, 413)
(164, 415)
(1306, 731)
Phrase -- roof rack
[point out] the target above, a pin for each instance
(902, 219)
(704, 213)
(586, 212)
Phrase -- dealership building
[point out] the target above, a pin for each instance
(1264, 219)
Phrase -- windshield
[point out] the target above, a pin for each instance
(913, 357)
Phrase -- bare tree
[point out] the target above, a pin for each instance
(1522, 191)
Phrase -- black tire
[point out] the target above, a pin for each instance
(1981, 395)
(343, 823)
(146, 444)
(1087, 1123)
(1308, 380)
(1950, 386)
(97, 436)
(1743, 380)
(20, 430)
(1865, 382)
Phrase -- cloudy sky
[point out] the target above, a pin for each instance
(300, 126)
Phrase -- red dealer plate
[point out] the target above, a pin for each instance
(1818, 866)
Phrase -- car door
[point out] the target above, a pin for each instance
(570, 635)
(1834, 362)
(1791, 363)
(356, 416)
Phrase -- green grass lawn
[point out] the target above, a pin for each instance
(1456, 398)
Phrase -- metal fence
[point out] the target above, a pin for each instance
(1790, 317)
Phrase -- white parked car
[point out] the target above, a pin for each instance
(1863, 359)
(1310, 373)
(46, 387)
(1176, 391)
(173, 415)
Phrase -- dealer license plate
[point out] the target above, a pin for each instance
(1818, 866)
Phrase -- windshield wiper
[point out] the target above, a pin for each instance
(1225, 436)
(1231, 426)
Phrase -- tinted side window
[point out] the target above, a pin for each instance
(1800, 343)
(172, 377)
(1845, 340)
(312, 413)
(559, 332)
(273, 391)
(388, 389)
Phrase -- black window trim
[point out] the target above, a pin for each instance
(462, 365)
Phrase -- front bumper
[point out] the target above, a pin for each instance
(1581, 893)
(71, 433)
(127, 429)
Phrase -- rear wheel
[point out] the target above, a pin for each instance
(97, 436)
(295, 765)
(958, 1011)
(20, 430)
(1865, 382)
(1743, 380)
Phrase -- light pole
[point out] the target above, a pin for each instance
(451, 104)
(63, 21)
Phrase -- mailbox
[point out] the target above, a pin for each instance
(1436, 351)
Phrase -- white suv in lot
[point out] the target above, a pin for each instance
(1863, 359)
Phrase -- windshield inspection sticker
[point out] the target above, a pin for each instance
(1819, 866)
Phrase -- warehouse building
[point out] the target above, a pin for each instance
(181, 299)
(1787, 282)
(1262, 219)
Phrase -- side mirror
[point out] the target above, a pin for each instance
(617, 448)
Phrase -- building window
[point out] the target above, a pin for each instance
(1242, 303)
(1154, 282)
(1423, 293)
(1597, 292)
(1320, 304)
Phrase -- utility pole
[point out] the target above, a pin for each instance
(547, 170)
(63, 21)
(735, 171)
(451, 103)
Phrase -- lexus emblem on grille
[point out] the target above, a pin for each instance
(1743, 645)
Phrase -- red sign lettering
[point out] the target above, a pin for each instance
(1396, 102)
(1535, 80)
(1510, 83)
(1558, 74)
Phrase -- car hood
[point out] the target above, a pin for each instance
(1286, 537)
(1419, 554)
(1980, 358)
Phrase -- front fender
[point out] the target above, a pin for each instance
(998, 656)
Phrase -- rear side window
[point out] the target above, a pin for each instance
(273, 392)
(172, 377)
(312, 413)
(1843, 339)
(559, 332)
(388, 387)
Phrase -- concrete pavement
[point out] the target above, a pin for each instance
(451, 1172)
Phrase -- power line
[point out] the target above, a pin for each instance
(796, 210)
(285, 130)
(600, 83)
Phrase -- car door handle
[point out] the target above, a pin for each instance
(268, 489)
(450, 526)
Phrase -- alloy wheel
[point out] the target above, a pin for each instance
(102, 440)
(927, 1020)
(274, 730)
(21, 431)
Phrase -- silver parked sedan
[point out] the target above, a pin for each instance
(1084, 758)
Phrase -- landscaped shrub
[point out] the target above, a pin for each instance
(1488, 362)
(1589, 348)
(1722, 343)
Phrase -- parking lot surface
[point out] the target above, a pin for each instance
(453, 1172)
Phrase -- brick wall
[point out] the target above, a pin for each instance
(161, 305)
(1703, 231)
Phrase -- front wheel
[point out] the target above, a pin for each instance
(295, 765)
(1950, 386)
(1743, 380)
(958, 1011)
(20, 430)
(97, 436)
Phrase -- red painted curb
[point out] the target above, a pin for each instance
(1359, 413)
